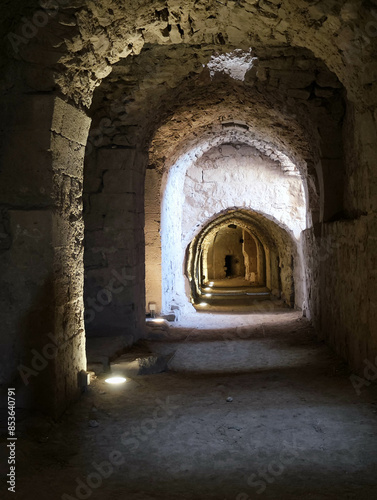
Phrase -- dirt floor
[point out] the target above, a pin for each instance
(253, 406)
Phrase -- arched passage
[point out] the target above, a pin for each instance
(316, 72)
(220, 172)
(233, 252)
(280, 266)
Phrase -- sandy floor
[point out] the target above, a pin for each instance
(294, 427)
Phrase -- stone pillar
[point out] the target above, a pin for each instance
(114, 243)
(42, 264)
(153, 276)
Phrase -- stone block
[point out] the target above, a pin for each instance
(324, 93)
(152, 191)
(29, 112)
(100, 350)
(118, 182)
(327, 79)
(123, 220)
(92, 183)
(32, 234)
(20, 183)
(95, 259)
(70, 361)
(145, 364)
(299, 94)
(123, 258)
(153, 243)
(109, 240)
(94, 221)
(116, 158)
(64, 160)
(114, 206)
(70, 122)
(99, 366)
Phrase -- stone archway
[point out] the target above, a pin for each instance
(57, 71)
(234, 251)
(283, 266)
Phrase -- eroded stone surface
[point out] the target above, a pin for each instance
(141, 67)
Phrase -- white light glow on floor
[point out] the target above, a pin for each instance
(116, 380)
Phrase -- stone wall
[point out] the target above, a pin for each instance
(153, 273)
(315, 74)
(227, 242)
(200, 186)
(341, 255)
(42, 250)
(254, 259)
(114, 242)
(234, 175)
(283, 263)
(339, 296)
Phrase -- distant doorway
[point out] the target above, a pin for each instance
(229, 266)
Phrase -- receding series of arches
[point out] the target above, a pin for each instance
(233, 252)
(108, 100)
(271, 261)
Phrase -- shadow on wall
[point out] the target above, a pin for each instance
(46, 377)
(35, 378)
